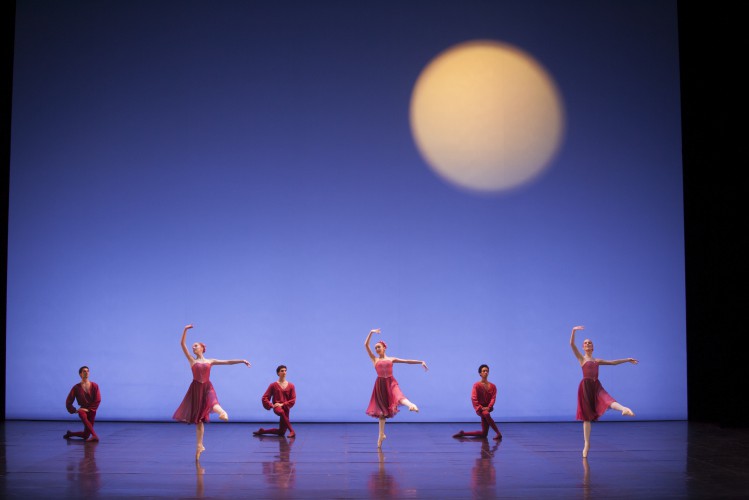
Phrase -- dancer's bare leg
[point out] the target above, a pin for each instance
(625, 411)
(382, 436)
(199, 431)
(222, 415)
(586, 433)
(411, 406)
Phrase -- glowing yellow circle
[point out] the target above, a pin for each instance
(486, 116)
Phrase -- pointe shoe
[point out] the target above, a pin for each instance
(460, 434)
(224, 416)
(93, 439)
(292, 435)
(67, 435)
(413, 408)
(627, 412)
(586, 448)
(198, 451)
(380, 440)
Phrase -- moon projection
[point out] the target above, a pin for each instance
(486, 116)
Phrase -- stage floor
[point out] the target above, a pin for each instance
(535, 460)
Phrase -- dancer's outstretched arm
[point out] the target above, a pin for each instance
(184, 345)
(230, 362)
(412, 362)
(366, 343)
(617, 361)
(573, 346)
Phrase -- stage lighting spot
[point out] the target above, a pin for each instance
(486, 116)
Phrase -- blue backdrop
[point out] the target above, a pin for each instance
(249, 167)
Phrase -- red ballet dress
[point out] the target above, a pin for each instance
(200, 397)
(592, 398)
(386, 394)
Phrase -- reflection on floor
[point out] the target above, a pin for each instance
(627, 459)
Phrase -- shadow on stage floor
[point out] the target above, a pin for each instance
(535, 460)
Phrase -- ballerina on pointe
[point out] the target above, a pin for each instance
(201, 399)
(592, 398)
(386, 395)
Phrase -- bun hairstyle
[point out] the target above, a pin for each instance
(202, 345)
(382, 342)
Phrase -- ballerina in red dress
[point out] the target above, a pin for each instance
(592, 398)
(201, 399)
(386, 395)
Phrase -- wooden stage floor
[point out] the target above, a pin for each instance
(535, 460)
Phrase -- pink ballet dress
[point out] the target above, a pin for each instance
(200, 397)
(592, 398)
(386, 393)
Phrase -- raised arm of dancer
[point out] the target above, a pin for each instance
(617, 361)
(573, 346)
(230, 362)
(412, 362)
(366, 343)
(184, 345)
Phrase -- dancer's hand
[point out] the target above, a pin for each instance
(376, 330)
(276, 405)
(424, 364)
(247, 363)
(576, 328)
(187, 327)
(632, 360)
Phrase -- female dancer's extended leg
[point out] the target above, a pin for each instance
(221, 413)
(625, 411)
(409, 404)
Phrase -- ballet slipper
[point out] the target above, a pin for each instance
(498, 437)
(627, 412)
(258, 432)
(459, 434)
(223, 416)
(292, 435)
(93, 439)
(198, 451)
(67, 435)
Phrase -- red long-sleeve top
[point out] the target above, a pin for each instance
(88, 400)
(277, 394)
(482, 396)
